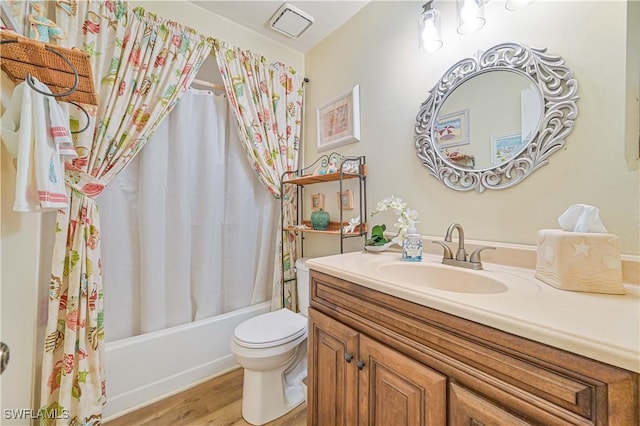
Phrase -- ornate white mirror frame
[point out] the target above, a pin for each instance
(558, 95)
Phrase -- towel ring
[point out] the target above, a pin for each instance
(66, 60)
(86, 114)
(58, 95)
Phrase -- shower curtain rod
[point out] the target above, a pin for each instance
(208, 84)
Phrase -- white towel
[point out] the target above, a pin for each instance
(36, 130)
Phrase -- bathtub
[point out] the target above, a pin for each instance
(144, 369)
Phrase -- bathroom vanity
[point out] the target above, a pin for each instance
(391, 344)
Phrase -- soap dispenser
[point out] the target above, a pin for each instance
(412, 245)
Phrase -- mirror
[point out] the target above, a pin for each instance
(490, 122)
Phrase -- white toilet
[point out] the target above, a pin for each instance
(272, 349)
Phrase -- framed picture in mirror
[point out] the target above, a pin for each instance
(452, 129)
(504, 148)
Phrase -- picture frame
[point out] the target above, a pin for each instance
(338, 120)
(452, 129)
(317, 202)
(504, 148)
(345, 199)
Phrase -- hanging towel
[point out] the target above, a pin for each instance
(35, 130)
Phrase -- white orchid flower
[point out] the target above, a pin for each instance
(406, 216)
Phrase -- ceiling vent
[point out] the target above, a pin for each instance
(291, 21)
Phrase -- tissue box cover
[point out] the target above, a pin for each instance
(579, 261)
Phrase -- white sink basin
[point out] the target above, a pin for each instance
(441, 277)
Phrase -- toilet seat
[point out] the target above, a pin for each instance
(270, 329)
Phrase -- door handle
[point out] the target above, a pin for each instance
(360, 364)
(4, 356)
(348, 357)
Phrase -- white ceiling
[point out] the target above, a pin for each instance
(328, 16)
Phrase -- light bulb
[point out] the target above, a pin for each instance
(470, 15)
(430, 30)
(468, 11)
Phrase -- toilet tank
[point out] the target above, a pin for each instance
(302, 275)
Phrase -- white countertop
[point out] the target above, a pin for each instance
(598, 326)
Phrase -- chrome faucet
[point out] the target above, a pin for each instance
(474, 261)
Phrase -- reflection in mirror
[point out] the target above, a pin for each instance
(498, 112)
(490, 122)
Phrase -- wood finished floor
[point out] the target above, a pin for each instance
(217, 402)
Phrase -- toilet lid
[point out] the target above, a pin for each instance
(271, 329)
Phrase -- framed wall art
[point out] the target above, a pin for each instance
(452, 129)
(504, 148)
(338, 120)
(317, 202)
(345, 199)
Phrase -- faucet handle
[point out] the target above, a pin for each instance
(447, 251)
(475, 255)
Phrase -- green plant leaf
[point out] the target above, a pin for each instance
(377, 236)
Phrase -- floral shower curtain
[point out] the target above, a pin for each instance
(141, 65)
(267, 102)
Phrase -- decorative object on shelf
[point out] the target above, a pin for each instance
(330, 164)
(350, 166)
(345, 199)
(351, 225)
(461, 159)
(406, 216)
(338, 120)
(320, 220)
(317, 202)
(301, 227)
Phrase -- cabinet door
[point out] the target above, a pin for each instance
(332, 374)
(468, 409)
(396, 390)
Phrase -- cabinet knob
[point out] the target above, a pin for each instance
(360, 364)
(348, 357)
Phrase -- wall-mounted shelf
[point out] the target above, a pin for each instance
(323, 171)
(21, 56)
(329, 177)
(333, 228)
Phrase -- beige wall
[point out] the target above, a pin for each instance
(378, 50)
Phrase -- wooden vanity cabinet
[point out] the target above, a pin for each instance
(358, 380)
(375, 359)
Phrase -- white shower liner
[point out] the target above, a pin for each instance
(143, 369)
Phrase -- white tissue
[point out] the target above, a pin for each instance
(581, 218)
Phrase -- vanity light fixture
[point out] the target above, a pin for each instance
(470, 15)
(430, 28)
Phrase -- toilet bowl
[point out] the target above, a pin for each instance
(272, 349)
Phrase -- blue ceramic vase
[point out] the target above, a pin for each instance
(320, 220)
